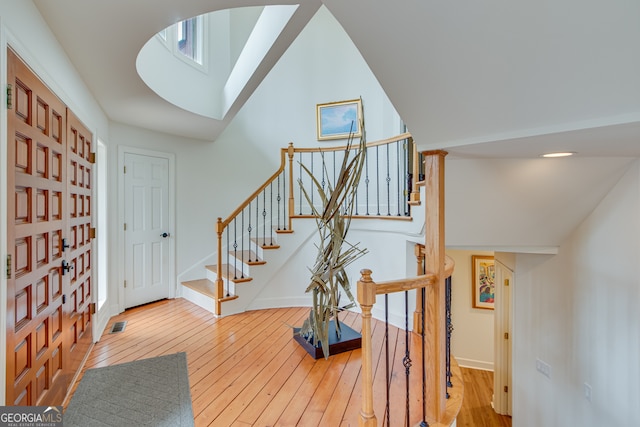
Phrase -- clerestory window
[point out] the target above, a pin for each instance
(189, 34)
(186, 40)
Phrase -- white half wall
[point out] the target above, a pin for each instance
(578, 312)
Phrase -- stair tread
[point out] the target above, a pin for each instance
(203, 286)
(208, 288)
(265, 242)
(284, 231)
(234, 275)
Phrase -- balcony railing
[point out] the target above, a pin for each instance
(432, 321)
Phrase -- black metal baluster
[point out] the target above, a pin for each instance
(278, 200)
(388, 179)
(313, 190)
(407, 178)
(386, 343)
(284, 204)
(366, 181)
(334, 168)
(249, 228)
(400, 187)
(264, 218)
(324, 171)
(423, 298)
(242, 245)
(228, 262)
(235, 249)
(378, 178)
(448, 290)
(406, 361)
(257, 224)
(301, 182)
(271, 210)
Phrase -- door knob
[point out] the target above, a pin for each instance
(165, 235)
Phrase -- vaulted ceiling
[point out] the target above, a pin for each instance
(496, 83)
(481, 79)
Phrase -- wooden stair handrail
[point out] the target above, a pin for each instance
(235, 213)
(411, 283)
(396, 138)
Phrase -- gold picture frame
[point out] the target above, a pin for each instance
(338, 120)
(483, 275)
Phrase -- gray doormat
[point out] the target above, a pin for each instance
(150, 392)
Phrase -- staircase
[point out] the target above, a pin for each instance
(252, 273)
(258, 239)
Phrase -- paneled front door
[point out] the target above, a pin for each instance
(49, 286)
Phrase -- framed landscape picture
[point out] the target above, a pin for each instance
(483, 275)
(336, 120)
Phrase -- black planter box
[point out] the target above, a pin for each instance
(349, 340)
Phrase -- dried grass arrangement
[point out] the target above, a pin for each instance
(328, 277)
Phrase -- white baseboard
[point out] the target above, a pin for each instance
(474, 364)
(103, 321)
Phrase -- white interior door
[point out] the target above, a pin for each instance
(146, 230)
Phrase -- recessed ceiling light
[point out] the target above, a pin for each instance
(563, 154)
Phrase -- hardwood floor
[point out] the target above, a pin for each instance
(476, 408)
(246, 370)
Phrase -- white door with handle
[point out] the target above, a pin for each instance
(146, 229)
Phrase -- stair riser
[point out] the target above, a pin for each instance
(211, 275)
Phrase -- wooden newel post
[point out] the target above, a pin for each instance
(435, 333)
(366, 299)
(219, 283)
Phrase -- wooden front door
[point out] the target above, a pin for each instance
(49, 283)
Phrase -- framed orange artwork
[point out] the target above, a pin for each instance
(483, 275)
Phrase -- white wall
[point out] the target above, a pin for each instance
(535, 208)
(578, 312)
(472, 340)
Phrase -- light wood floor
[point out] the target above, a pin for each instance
(476, 407)
(246, 370)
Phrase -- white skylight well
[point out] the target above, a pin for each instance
(202, 64)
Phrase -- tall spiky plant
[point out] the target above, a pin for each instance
(335, 253)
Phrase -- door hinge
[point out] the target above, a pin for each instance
(9, 97)
(9, 266)
(92, 158)
(92, 308)
(506, 389)
(125, 283)
(92, 233)
(125, 169)
(125, 226)
(506, 282)
(506, 335)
